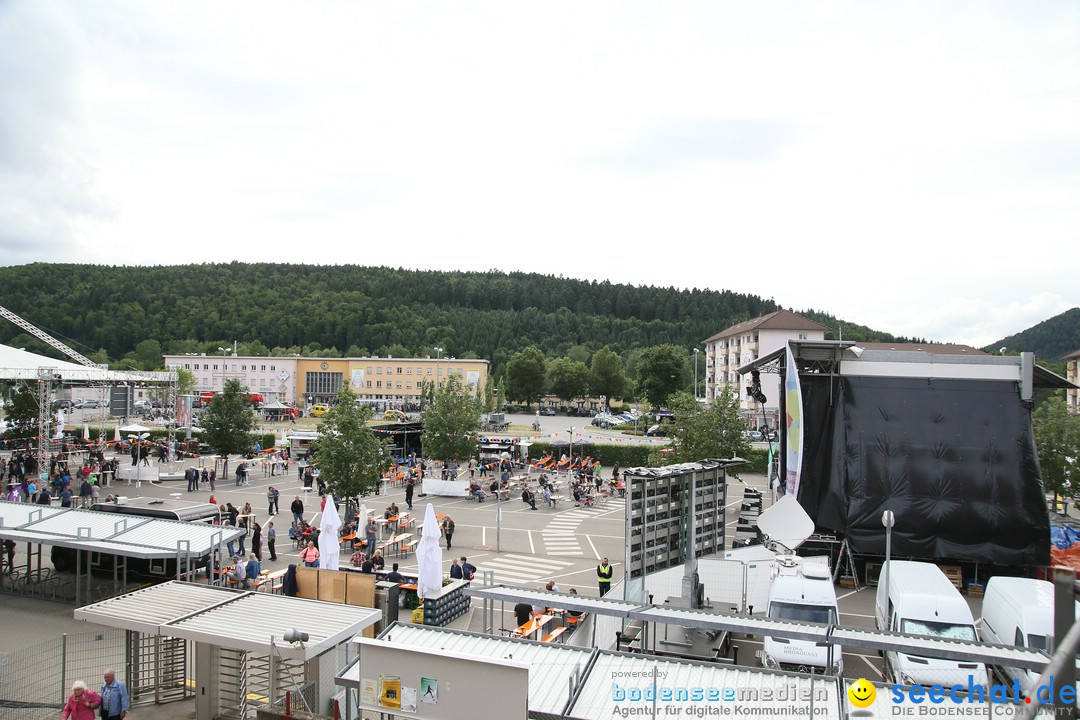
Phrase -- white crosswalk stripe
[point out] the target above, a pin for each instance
(561, 543)
(521, 569)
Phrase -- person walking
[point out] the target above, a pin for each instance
(213, 479)
(270, 500)
(81, 704)
(448, 530)
(603, 575)
(297, 509)
(271, 539)
(115, 701)
(410, 483)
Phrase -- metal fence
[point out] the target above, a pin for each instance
(35, 682)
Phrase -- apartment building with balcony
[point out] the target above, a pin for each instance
(272, 377)
(745, 342)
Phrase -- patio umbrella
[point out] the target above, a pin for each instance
(134, 428)
(329, 550)
(85, 432)
(429, 556)
(116, 434)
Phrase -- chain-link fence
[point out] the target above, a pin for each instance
(36, 681)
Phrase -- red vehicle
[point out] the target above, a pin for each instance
(204, 398)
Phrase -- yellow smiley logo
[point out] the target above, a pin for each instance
(861, 694)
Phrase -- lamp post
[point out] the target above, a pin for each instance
(223, 366)
(888, 520)
(570, 465)
(438, 355)
(696, 352)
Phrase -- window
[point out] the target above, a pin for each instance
(262, 382)
(408, 371)
(273, 382)
(323, 383)
(429, 371)
(802, 336)
(408, 385)
(215, 366)
(263, 368)
(272, 368)
(399, 370)
(187, 366)
(369, 383)
(399, 385)
(378, 370)
(378, 383)
(243, 368)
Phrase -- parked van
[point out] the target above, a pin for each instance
(919, 600)
(802, 591)
(318, 410)
(1019, 611)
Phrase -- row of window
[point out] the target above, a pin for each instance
(409, 371)
(390, 384)
(207, 382)
(243, 368)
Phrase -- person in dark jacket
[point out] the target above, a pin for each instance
(455, 570)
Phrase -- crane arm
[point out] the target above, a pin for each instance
(46, 338)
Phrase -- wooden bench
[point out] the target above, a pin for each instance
(954, 574)
(407, 547)
(554, 634)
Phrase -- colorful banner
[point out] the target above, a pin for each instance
(793, 406)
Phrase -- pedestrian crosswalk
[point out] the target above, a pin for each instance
(561, 534)
(522, 569)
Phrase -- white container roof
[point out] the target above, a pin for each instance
(232, 619)
(112, 533)
(550, 664)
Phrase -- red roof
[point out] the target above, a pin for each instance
(778, 320)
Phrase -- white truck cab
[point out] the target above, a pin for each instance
(802, 592)
(916, 598)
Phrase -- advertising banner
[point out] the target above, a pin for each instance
(793, 406)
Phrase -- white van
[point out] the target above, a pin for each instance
(919, 600)
(802, 592)
(1019, 611)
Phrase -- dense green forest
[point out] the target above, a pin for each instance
(349, 310)
(1050, 340)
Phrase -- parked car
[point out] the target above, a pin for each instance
(547, 411)
(90, 405)
(656, 431)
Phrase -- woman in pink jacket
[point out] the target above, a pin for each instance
(82, 704)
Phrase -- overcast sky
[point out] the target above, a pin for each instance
(911, 166)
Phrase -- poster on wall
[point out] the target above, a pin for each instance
(408, 699)
(793, 408)
(472, 378)
(368, 690)
(429, 691)
(390, 691)
(357, 378)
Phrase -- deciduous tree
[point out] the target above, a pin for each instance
(525, 375)
(229, 421)
(608, 378)
(568, 379)
(713, 432)
(661, 371)
(350, 458)
(1057, 439)
(451, 422)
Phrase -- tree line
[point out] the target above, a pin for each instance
(130, 316)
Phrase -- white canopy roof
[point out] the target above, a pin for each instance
(111, 533)
(233, 619)
(16, 364)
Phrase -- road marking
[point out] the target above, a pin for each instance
(867, 661)
(532, 546)
(595, 552)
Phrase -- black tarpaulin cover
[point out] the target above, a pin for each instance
(953, 459)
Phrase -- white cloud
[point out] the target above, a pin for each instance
(908, 166)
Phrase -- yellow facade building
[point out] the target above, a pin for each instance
(390, 382)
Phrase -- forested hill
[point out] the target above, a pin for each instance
(1050, 340)
(354, 310)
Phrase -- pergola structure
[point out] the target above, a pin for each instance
(249, 647)
(121, 539)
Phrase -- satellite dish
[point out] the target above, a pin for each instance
(786, 523)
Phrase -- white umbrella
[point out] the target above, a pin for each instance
(134, 428)
(429, 556)
(85, 432)
(329, 550)
(116, 434)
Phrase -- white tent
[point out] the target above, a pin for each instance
(429, 556)
(329, 549)
(134, 428)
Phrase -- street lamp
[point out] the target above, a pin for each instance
(223, 367)
(888, 520)
(438, 354)
(696, 351)
(570, 465)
